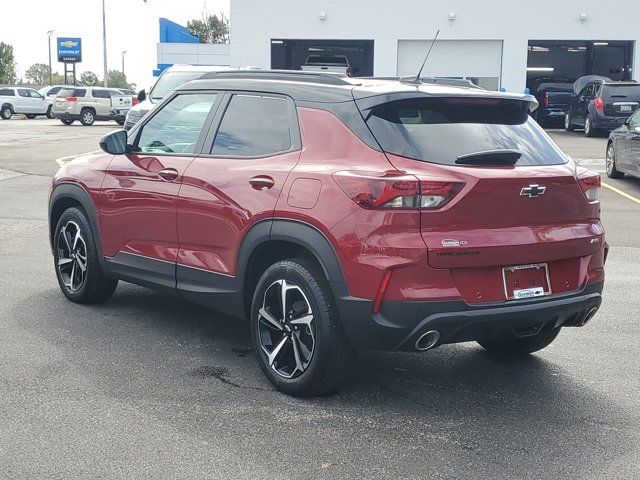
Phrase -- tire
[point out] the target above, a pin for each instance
(67, 122)
(50, 113)
(6, 112)
(30, 116)
(612, 170)
(568, 126)
(517, 347)
(120, 122)
(87, 117)
(79, 284)
(589, 131)
(312, 354)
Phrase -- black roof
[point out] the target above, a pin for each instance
(304, 86)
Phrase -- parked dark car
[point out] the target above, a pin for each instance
(554, 101)
(602, 106)
(623, 149)
(337, 215)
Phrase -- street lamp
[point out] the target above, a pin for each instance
(49, 33)
(104, 44)
(124, 52)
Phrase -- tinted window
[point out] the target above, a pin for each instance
(253, 126)
(7, 92)
(170, 81)
(23, 92)
(100, 94)
(438, 130)
(177, 126)
(621, 92)
(53, 91)
(72, 92)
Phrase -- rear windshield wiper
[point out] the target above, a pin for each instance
(490, 157)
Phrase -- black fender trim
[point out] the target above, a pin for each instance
(74, 191)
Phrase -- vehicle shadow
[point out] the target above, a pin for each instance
(523, 418)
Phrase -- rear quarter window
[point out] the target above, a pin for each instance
(439, 130)
(6, 92)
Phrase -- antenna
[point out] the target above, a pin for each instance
(416, 80)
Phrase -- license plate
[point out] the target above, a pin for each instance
(526, 281)
(626, 108)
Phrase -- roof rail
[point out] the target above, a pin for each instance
(291, 75)
(411, 80)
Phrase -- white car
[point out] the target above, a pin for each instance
(26, 101)
(337, 64)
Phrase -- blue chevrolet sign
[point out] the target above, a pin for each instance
(69, 50)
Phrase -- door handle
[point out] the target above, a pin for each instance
(262, 182)
(168, 174)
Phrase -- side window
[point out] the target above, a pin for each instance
(254, 126)
(100, 94)
(53, 91)
(23, 92)
(177, 126)
(34, 94)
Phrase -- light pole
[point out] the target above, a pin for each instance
(124, 52)
(49, 33)
(104, 43)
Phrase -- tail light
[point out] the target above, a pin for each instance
(135, 100)
(599, 103)
(395, 190)
(71, 99)
(546, 99)
(590, 183)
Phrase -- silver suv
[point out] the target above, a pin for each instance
(26, 101)
(86, 104)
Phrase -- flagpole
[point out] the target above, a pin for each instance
(104, 43)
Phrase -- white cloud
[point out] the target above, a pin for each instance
(132, 25)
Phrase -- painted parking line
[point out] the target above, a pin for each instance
(62, 160)
(626, 195)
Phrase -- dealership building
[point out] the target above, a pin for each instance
(497, 44)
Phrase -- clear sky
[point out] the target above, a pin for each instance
(132, 25)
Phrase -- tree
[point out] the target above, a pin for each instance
(7, 64)
(38, 74)
(117, 79)
(211, 28)
(90, 79)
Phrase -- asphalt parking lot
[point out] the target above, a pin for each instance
(146, 386)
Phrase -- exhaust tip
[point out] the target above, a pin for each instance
(427, 340)
(589, 316)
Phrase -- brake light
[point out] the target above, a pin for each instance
(395, 190)
(546, 99)
(590, 183)
(599, 103)
(135, 100)
(71, 99)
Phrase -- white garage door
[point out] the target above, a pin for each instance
(478, 60)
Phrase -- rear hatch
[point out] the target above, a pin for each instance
(515, 197)
(67, 99)
(620, 100)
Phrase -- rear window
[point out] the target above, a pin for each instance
(626, 92)
(439, 130)
(170, 81)
(72, 92)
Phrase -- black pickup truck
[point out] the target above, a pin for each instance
(554, 101)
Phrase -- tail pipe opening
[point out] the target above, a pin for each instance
(427, 341)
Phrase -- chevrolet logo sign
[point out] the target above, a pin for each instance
(533, 191)
(69, 44)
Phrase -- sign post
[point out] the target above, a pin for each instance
(69, 53)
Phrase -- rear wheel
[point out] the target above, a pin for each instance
(30, 116)
(87, 117)
(612, 171)
(67, 122)
(568, 126)
(78, 269)
(515, 347)
(589, 131)
(6, 112)
(299, 341)
(120, 121)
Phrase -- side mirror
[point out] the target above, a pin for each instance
(142, 95)
(114, 143)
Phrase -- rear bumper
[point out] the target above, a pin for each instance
(608, 123)
(400, 324)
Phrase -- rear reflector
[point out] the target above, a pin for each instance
(395, 190)
(381, 291)
(590, 183)
(71, 99)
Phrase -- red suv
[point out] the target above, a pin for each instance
(339, 214)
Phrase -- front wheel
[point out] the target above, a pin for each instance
(50, 113)
(298, 338)
(515, 347)
(76, 260)
(612, 170)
